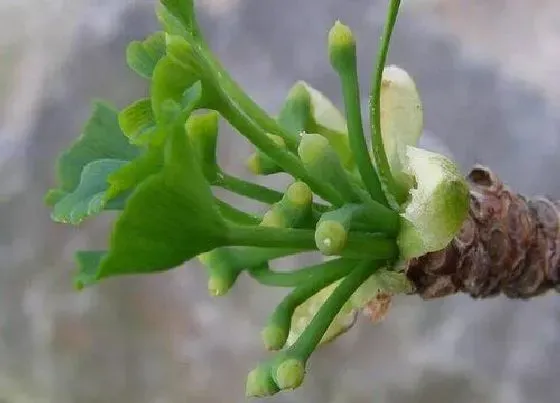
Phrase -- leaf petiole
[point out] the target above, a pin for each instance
(358, 245)
(310, 274)
(378, 147)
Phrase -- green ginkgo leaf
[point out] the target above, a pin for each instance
(101, 138)
(132, 173)
(170, 24)
(183, 11)
(202, 130)
(402, 119)
(309, 110)
(384, 281)
(171, 81)
(170, 218)
(142, 56)
(89, 197)
(88, 264)
(303, 315)
(137, 122)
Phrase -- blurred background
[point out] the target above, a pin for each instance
(488, 74)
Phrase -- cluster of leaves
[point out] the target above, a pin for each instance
(155, 162)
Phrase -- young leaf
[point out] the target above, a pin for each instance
(183, 11)
(384, 281)
(89, 197)
(88, 263)
(137, 122)
(142, 56)
(171, 81)
(170, 24)
(202, 131)
(169, 219)
(401, 118)
(437, 207)
(307, 109)
(296, 110)
(101, 138)
(381, 281)
(134, 172)
(306, 311)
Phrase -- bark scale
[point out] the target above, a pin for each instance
(509, 244)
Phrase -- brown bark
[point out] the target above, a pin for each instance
(509, 244)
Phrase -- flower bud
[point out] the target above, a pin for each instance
(274, 336)
(260, 164)
(342, 47)
(290, 374)
(330, 237)
(260, 383)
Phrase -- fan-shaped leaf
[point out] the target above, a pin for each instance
(101, 138)
(89, 197)
(142, 56)
(170, 218)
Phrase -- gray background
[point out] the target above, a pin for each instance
(488, 75)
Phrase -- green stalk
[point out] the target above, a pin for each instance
(247, 257)
(342, 53)
(313, 333)
(276, 331)
(235, 215)
(248, 189)
(309, 275)
(375, 102)
(236, 113)
(285, 159)
(245, 102)
(358, 245)
(358, 145)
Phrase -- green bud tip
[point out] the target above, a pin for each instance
(299, 193)
(218, 286)
(260, 383)
(342, 45)
(274, 337)
(299, 92)
(273, 218)
(312, 148)
(330, 237)
(290, 374)
(253, 164)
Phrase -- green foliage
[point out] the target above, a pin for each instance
(154, 233)
(90, 196)
(101, 138)
(155, 161)
(142, 57)
(137, 122)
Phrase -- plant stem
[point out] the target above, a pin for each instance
(257, 192)
(244, 101)
(358, 145)
(313, 333)
(359, 245)
(235, 215)
(249, 257)
(248, 189)
(380, 156)
(285, 159)
(238, 110)
(309, 275)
